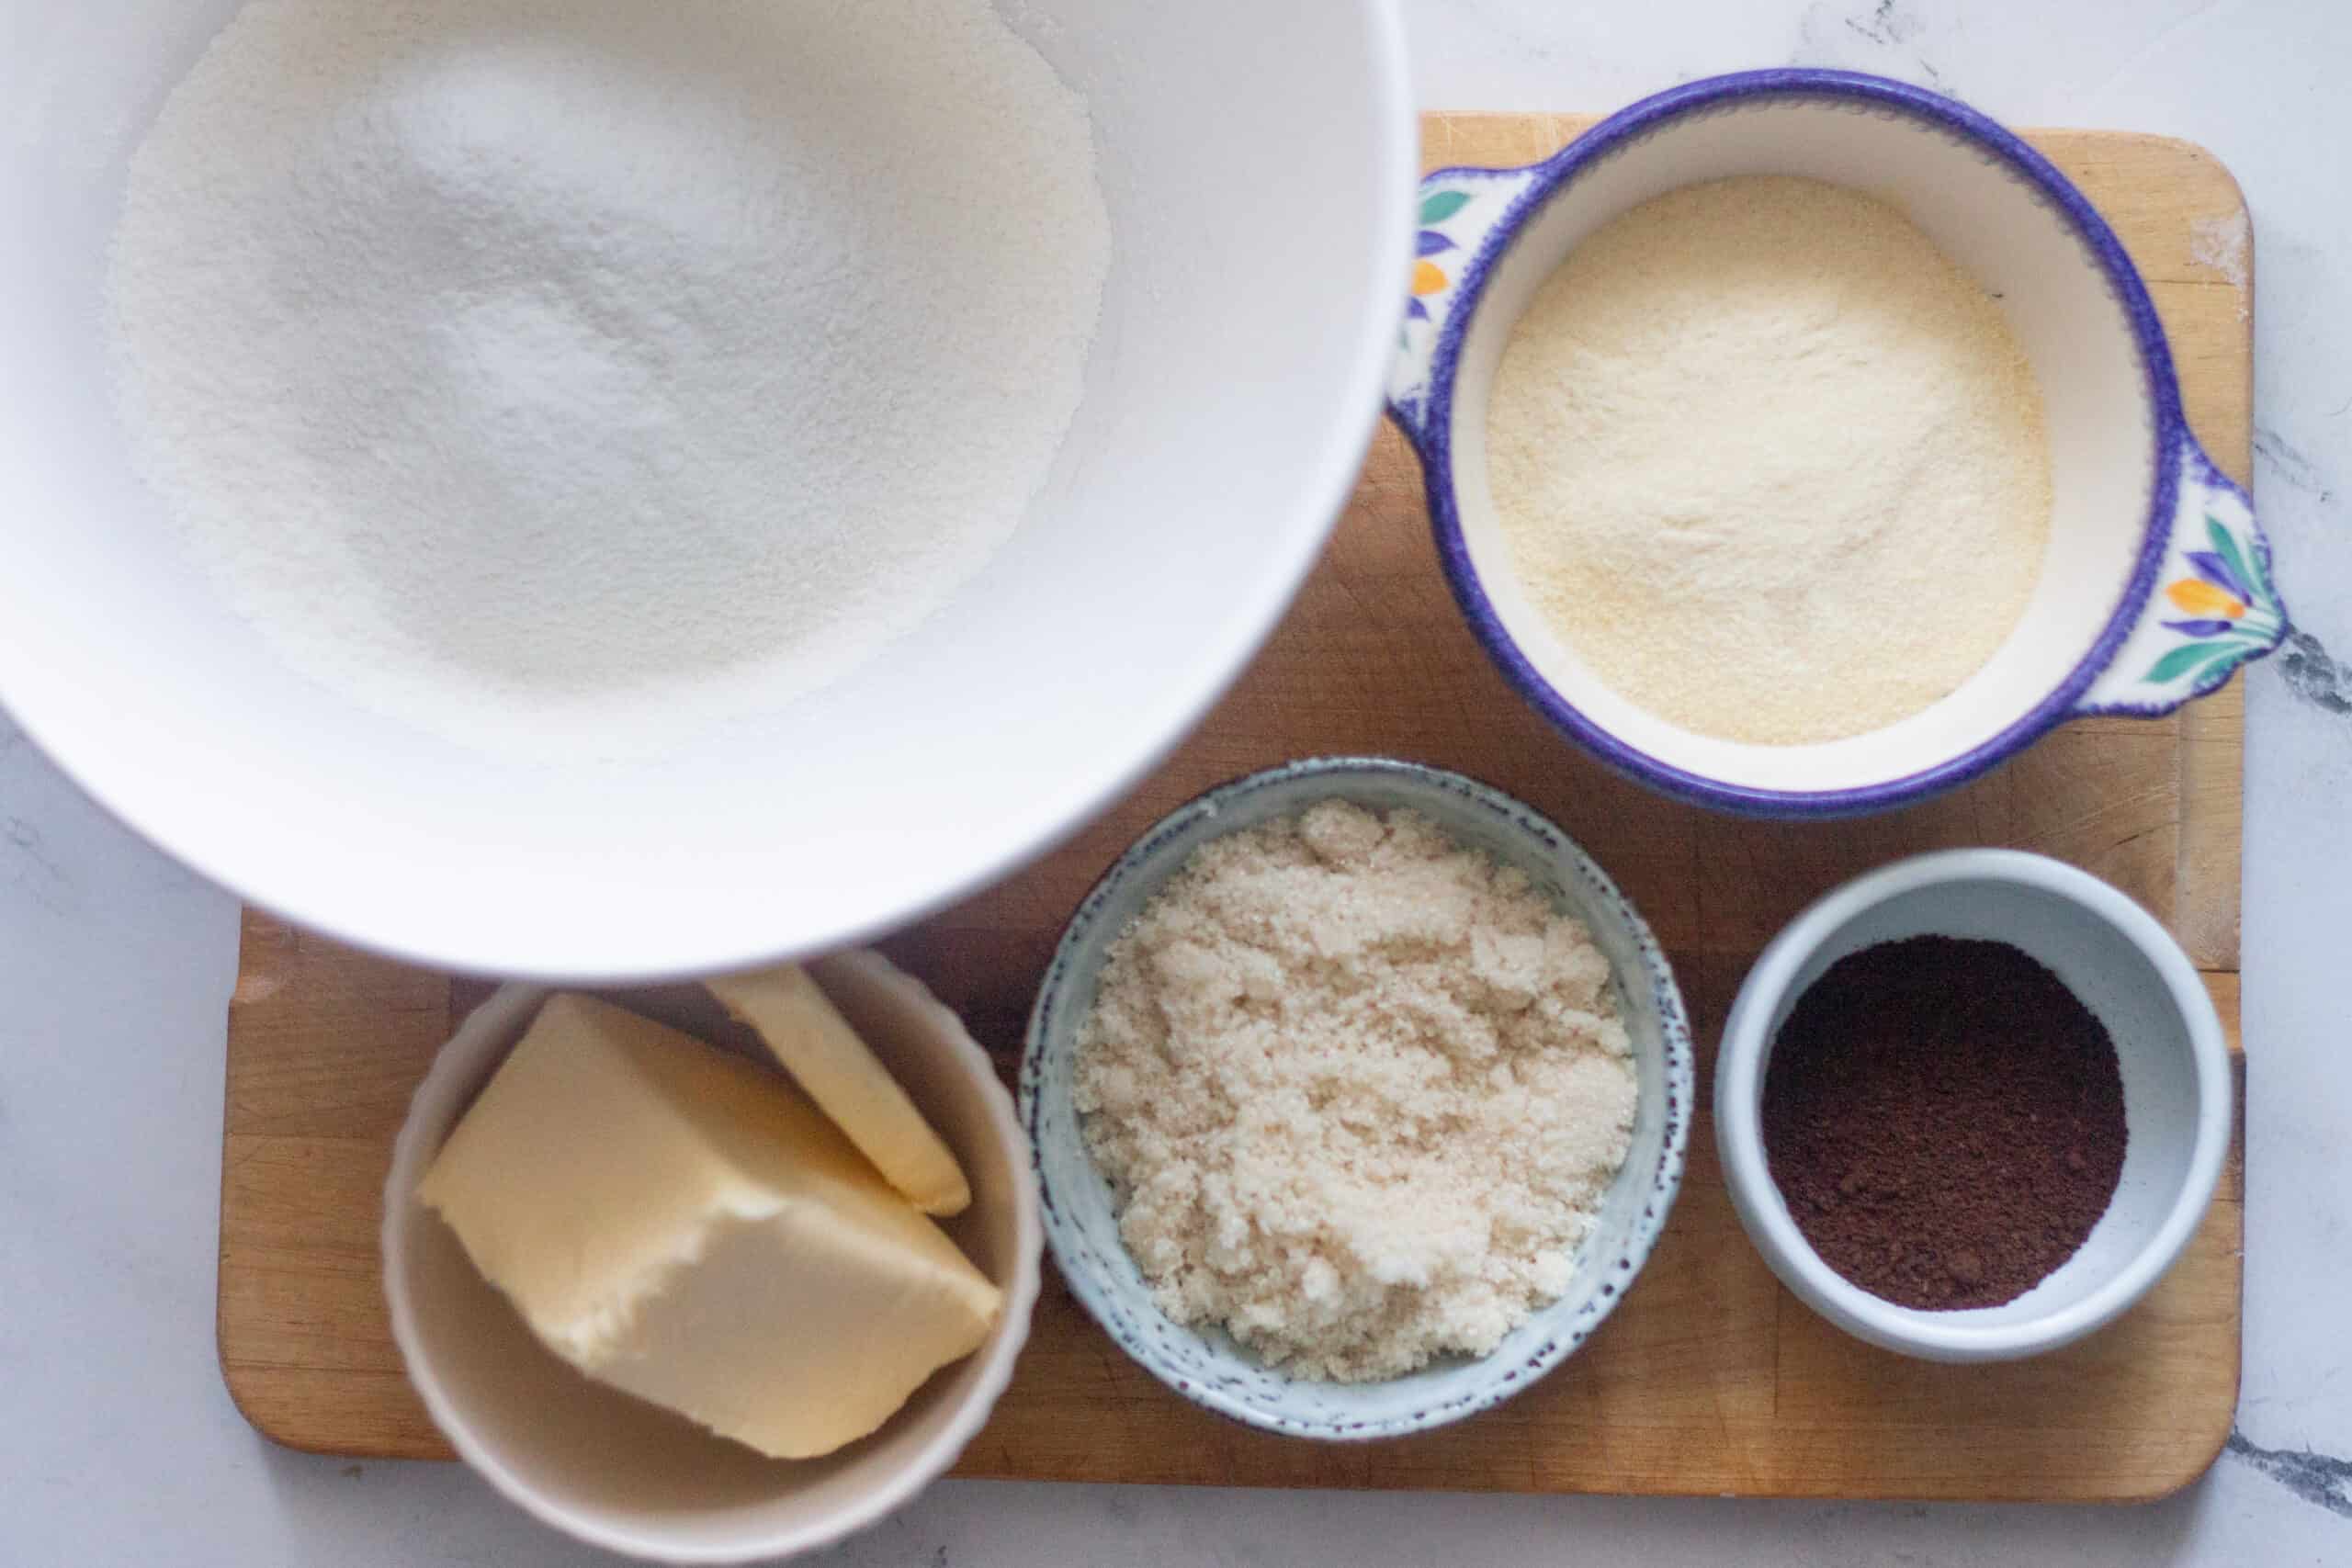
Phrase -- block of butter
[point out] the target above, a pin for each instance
(685, 1226)
(825, 1056)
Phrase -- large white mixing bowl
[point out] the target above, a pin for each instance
(1259, 165)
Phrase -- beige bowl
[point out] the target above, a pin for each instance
(623, 1475)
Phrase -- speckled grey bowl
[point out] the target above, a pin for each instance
(1208, 1367)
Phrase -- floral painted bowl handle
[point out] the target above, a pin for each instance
(1460, 208)
(2214, 607)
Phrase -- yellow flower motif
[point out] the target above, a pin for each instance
(1427, 277)
(2199, 598)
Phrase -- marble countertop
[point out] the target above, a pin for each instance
(121, 1445)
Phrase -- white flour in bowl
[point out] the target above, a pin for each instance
(558, 375)
(1770, 462)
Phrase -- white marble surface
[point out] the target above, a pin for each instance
(118, 1445)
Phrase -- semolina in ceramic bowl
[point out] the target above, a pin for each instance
(1206, 1365)
(2155, 585)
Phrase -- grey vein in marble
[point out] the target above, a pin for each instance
(1887, 29)
(2321, 1480)
(2294, 469)
(2313, 676)
(36, 870)
(1887, 23)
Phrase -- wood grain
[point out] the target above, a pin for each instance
(1710, 1379)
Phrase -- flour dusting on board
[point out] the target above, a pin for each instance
(2225, 243)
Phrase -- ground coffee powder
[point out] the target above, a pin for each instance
(1945, 1119)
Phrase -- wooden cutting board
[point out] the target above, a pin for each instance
(1710, 1379)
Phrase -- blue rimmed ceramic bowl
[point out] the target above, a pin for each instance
(2157, 583)
(1080, 1214)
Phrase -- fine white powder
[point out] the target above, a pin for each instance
(2225, 243)
(562, 375)
(1770, 463)
(1360, 1090)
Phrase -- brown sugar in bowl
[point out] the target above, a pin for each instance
(1201, 1363)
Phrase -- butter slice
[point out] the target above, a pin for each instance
(823, 1053)
(685, 1226)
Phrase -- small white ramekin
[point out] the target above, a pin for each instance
(2132, 975)
(621, 1474)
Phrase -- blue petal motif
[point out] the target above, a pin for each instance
(2199, 628)
(1431, 243)
(1416, 310)
(2216, 570)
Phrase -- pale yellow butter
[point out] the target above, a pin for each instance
(686, 1227)
(824, 1054)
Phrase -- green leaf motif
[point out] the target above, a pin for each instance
(1439, 206)
(2186, 659)
(2225, 545)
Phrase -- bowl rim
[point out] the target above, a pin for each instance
(1660, 112)
(1763, 1213)
(492, 1030)
(1641, 1237)
(124, 781)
